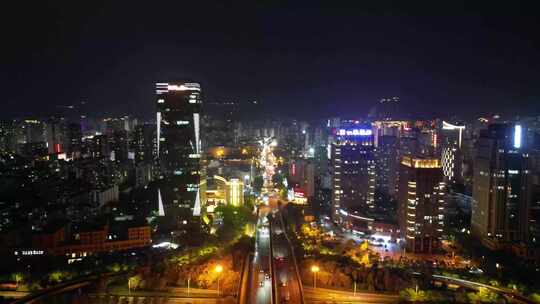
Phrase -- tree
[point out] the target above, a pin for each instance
(535, 297)
(58, 276)
(234, 221)
(365, 259)
(18, 277)
(364, 246)
(414, 295)
(483, 295)
(134, 281)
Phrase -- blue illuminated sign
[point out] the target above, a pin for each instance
(354, 132)
(517, 136)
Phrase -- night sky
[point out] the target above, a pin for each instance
(303, 60)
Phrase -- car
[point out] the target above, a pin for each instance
(261, 283)
(284, 284)
(267, 276)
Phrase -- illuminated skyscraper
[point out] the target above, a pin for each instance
(502, 180)
(178, 146)
(353, 170)
(452, 160)
(421, 203)
(452, 154)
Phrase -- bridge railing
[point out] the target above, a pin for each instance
(244, 281)
(297, 271)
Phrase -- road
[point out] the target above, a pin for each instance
(509, 294)
(323, 295)
(260, 283)
(289, 284)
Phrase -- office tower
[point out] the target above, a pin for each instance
(386, 164)
(452, 163)
(33, 130)
(7, 136)
(421, 203)
(453, 133)
(143, 142)
(98, 146)
(353, 170)
(56, 136)
(534, 209)
(452, 153)
(501, 189)
(178, 146)
(119, 143)
(408, 145)
(73, 142)
(302, 176)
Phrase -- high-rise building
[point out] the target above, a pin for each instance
(97, 146)
(501, 188)
(143, 142)
(302, 175)
(386, 164)
(34, 130)
(178, 146)
(73, 141)
(452, 153)
(353, 170)
(56, 135)
(7, 136)
(119, 143)
(421, 193)
(452, 160)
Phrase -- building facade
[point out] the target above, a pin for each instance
(353, 170)
(178, 147)
(421, 193)
(501, 189)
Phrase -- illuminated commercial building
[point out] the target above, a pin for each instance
(230, 192)
(394, 128)
(421, 193)
(178, 147)
(448, 128)
(452, 160)
(452, 154)
(501, 189)
(302, 176)
(353, 170)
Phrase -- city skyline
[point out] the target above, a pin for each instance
(270, 152)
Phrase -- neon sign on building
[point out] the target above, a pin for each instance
(354, 132)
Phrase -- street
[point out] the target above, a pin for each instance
(289, 289)
(260, 282)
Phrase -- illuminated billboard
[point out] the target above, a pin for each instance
(354, 132)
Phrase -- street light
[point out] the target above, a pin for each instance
(315, 269)
(218, 270)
